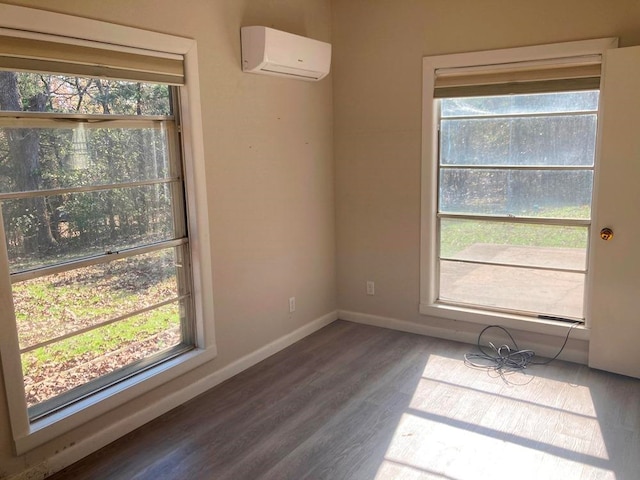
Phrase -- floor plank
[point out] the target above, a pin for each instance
(359, 402)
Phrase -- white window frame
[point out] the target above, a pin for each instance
(429, 181)
(38, 24)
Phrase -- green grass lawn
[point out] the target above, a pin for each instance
(49, 307)
(456, 235)
(103, 340)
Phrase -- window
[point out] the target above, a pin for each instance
(509, 172)
(514, 201)
(94, 224)
(104, 260)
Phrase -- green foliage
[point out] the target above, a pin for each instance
(30, 85)
(89, 154)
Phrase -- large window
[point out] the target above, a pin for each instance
(94, 224)
(509, 146)
(105, 270)
(514, 201)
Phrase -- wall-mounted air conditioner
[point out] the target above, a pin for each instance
(272, 52)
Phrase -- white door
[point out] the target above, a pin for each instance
(614, 293)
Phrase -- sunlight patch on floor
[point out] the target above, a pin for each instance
(530, 385)
(391, 469)
(431, 448)
(486, 428)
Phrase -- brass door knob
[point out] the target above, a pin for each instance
(606, 234)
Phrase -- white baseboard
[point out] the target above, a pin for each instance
(105, 436)
(546, 349)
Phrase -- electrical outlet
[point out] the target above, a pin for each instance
(371, 287)
(292, 304)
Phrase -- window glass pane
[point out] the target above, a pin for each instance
(560, 194)
(58, 228)
(516, 104)
(57, 368)
(49, 158)
(39, 92)
(521, 289)
(67, 136)
(55, 305)
(514, 243)
(556, 140)
(516, 156)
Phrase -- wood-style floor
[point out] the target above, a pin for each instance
(359, 402)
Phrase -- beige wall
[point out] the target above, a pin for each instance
(269, 167)
(378, 46)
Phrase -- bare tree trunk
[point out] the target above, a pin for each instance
(24, 153)
(105, 93)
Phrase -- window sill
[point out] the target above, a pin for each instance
(81, 412)
(519, 322)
